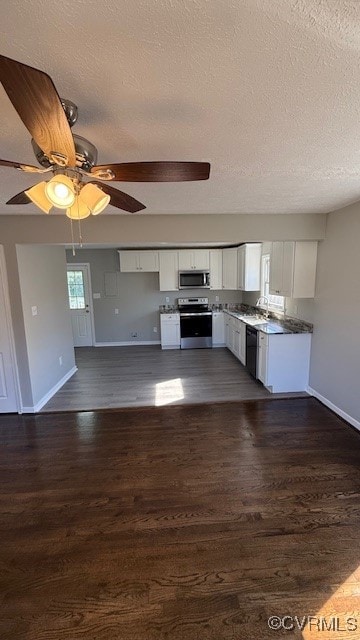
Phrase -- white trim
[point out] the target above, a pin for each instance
(8, 320)
(333, 407)
(144, 343)
(39, 405)
(86, 265)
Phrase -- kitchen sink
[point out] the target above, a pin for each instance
(253, 320)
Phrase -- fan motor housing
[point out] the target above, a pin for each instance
(86, 154)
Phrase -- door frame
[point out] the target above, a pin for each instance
(4, 283)
(86, 266)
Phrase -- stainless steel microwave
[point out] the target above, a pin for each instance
(194, 280)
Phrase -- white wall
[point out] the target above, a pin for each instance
(134, 230)
(335, 357)
(42, 275)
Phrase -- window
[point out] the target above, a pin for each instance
(75, 280)
(276, 302)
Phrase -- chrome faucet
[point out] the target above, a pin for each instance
(266, 300)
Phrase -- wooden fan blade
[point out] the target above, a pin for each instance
(29, 168)
(154, 171)
(120, 199)
(20, 198)
(34, 96)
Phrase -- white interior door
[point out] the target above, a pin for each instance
(8, 388)
(78, 279)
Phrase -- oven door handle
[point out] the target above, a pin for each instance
(195, 314)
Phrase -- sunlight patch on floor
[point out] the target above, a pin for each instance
(339, 618)
(168, 392)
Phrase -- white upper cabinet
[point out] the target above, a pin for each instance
(197, 259)
(135, 261)
(241, 267)
(249, 263)
(230, 269)
(149, 261)
(169, 268)
(293, 269)
(216, 269)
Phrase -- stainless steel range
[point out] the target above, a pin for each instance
(195, 323)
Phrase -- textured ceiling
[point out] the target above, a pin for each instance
(268, 91)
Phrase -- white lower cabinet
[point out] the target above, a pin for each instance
(218, 329)
(284, 361)
(170, 330)
(227, 330)
(235, 337)
(237, 340)
(262, 358)
(242, 352)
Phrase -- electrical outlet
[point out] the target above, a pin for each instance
(167, 299)
(155, 329)
(60, 361)
(34, 310)
(116, 312)
(216, 298)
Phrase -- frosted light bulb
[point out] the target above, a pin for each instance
(61, 190)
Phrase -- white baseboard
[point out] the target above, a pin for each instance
(39, 405)
(333, 407)
(133, 343)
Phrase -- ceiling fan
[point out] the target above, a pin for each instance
(71, 159)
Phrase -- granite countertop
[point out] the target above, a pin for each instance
(271, 325)
(169, 310)
(252, 316)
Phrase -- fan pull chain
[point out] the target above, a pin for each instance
(79, 223)
(72, 237)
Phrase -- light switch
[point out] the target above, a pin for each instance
(34, 310)
(116, 312)
(96, 296)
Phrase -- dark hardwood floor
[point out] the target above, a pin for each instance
(181, 523)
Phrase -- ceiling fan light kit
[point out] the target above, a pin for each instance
(37, 195)
(79, 210)
(60, 191)
(72, 158)
(94, 198)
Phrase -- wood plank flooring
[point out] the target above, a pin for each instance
(113, 377)
(182, 522)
